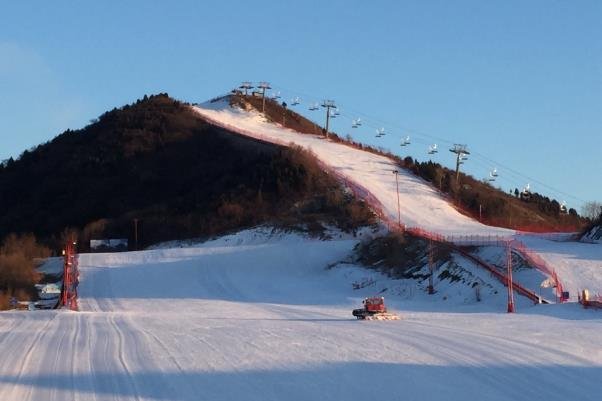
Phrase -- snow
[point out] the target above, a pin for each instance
(266, 315)
(256, 316)
(420, 204)
(578, 264)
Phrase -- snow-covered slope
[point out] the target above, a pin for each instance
(256, 317)
(578, 264)
(420, 205)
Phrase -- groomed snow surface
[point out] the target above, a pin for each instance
(255, 316)
(420, 205)
(267, 316)
(578, 266)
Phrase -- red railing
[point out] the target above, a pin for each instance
(70, 277)
(454, 241)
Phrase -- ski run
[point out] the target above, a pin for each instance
(266, 315)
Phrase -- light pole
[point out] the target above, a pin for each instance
(135, 234)
(398, 206)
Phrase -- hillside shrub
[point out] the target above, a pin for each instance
(17, 267)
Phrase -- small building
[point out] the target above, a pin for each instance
(109, 245)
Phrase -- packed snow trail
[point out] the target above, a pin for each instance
(420, 205)
(578, 264)
(263, 319)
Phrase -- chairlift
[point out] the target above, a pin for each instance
(276, 95)
(494, 172)
(563, 208)
(491, 177)
(433, 149)
(380, 132)
(333, 114)
(358, 121)
(295, 101)
(354, 124)
(405, 141)
(337, 112)
(314, 107)
(526, 192)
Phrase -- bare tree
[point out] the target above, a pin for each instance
(591, 210)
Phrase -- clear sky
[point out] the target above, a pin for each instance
(519, 82)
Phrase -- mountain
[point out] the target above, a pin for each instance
(165, 166)
(180, 177)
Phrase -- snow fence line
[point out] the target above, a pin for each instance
(454, 241)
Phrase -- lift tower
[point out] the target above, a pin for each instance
(328, 104)
(460, 151)
(263, 86)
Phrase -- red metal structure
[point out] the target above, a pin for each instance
(509, 283)
(70, 277)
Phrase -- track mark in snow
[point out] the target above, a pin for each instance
(122, 359)
(25, 364)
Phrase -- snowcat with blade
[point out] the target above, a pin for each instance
(374, 309)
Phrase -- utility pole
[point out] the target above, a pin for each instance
(431, 287)
(460, 151)
(328, 104)
(135, 234)
(263, 86)
(246, 86)
(509, 277)
(398, 206)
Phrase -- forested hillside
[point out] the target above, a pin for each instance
(156, 162)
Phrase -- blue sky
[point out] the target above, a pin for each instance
(519, 82)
